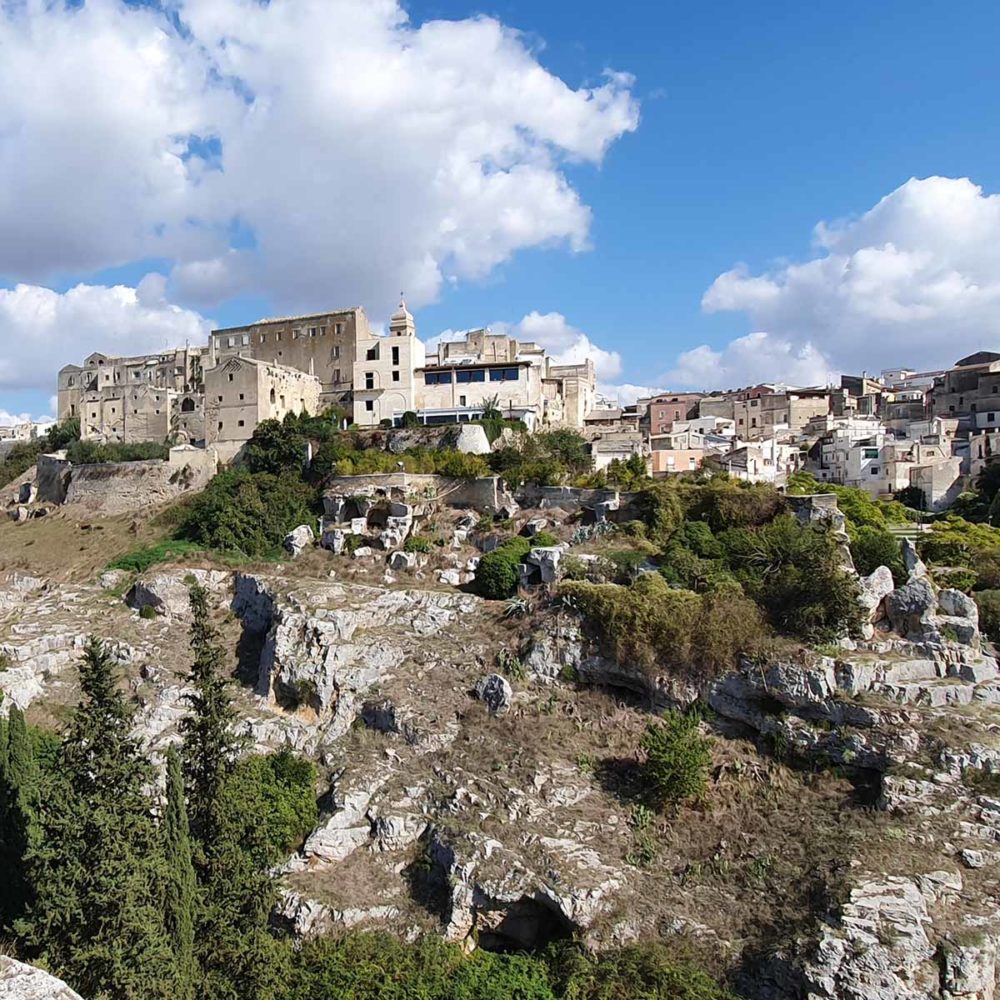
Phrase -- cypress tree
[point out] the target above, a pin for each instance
(237, 954)
(97, 873)
(181, 886)
(19, 791)
(211, 744)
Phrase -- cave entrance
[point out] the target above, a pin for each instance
(525, 925)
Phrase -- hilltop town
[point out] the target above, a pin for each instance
(924, 435)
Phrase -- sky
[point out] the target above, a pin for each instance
(695, 195)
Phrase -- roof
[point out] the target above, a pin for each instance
(289, 319)
(979, 358)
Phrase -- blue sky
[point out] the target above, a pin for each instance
(757, 121)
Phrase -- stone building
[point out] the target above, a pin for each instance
(128, 400)
(663, 411)
(242, 392)
(384, 375)
(969, 390)
(323, 344)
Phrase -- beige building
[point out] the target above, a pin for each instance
(242, 392)
(384, 377)
(323, 344)
(151, 397)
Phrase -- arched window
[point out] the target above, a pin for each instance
(272, 394)
(187, 406)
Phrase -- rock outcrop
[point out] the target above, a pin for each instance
(24, 982)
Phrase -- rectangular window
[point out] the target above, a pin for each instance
(874, 470)
(372, 354)
(241, 423)
(242, 396)
(503, 374)
(991, 418)
(220, 425)
(232, 342)
(335, 353)
(245, 340)
(369, 405)
(338, 328)
(437, 378)
(369, 380)
(461, 401)
(871, 453)
(476, 375)
(263, 338)
(395, 355)
(230, 378)
(395, 376)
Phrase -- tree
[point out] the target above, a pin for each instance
(181, 887)
(677, 758)
(97, 869)
(872, 547)
(211, 745)
(19, 832)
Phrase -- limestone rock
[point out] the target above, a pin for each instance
(298, 540)
(874, 589)
(908, 606)
(532, 527)
(24, 982)
(969, 971)
(914, 565)
(333, 540)
(472, 440)
(958, 605)
(400, 561)
(169, 593)
(495, 693)
(542, 565)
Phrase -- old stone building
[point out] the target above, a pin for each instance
(323, 344)
(969, 390)
(242, 392)
(151, 397)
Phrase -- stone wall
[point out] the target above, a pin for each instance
(566, 497)
(477, 493)
(116, 488)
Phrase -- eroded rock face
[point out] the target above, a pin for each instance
(169, 593)
(298, 541)
(24, 982)
(495, 693)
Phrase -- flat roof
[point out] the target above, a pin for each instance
(287, 319)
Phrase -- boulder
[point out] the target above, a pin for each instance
(958, 605)
(914, 564)
(363, 552)
(28, 493)
(547, 561)
(909, 606)
(170, 593)
(495, 693)
(24, 982)
(403, 561)
(298, 540)
(969, 970)
(532, 527)
(358, 525)
(472, 440)
(874, 589)
(333, 540)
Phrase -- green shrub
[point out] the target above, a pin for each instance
(654, 627)
(148, 612)
(678, 759)
(543, 540)
(417, 543)
(92, 453)
(873, 546)
(639, 972)
(139, 559)
(988, 602)
(25, 454)
(248, 512)
(497, 573)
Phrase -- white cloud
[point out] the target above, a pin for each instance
(322, 151)
(749, 360)
(41, 330)
(914, 281)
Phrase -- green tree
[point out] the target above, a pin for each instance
(872, 547)
(97, 870)
(181, 886)
(677, 758)
(19, 831)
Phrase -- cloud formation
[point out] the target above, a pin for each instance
(318, 151)
(914, 281)
(41, 330)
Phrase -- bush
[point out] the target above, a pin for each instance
(638, 972)
(497, 573)
(25, 454)
(988, 602)
(92, 453)
(240, 511)
(417, 543)
(678, 759)
(543, 540)
(872, 547)
(410, 419)
(652, 626)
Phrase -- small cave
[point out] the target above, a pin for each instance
(524, 925)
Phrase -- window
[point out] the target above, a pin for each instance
(503, 374)
(437, 378)
(263, 338)
(295, 334)
(369, 380)
(245, 340)
(753, 421)
(395, 376)
(870, 453)
(369, 405)
(314, 331)
(395, 355)
(187, 406)
(282, 402)
(220, 425)
(372, 353)
(272, 397)
(477, 375)
(232, 342)
(242, 396)
(991, 418)
(220, 398)
(335, 353)
(241, 423)
(230, 378)
(277, 338)
(874, 470)
(461, 401)
(338, 328)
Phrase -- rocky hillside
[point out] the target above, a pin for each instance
(481, 775)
